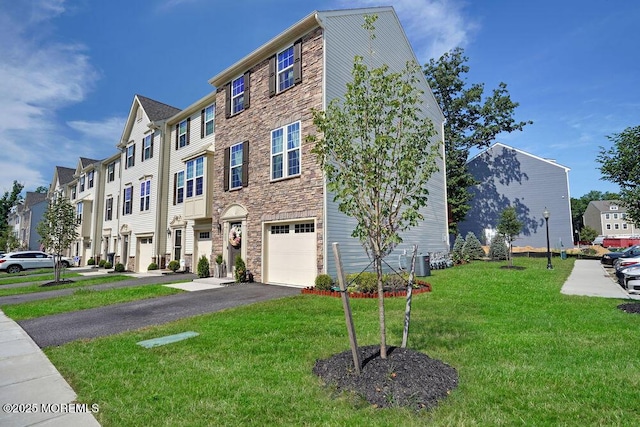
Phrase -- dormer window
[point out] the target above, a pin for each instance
(613, 207)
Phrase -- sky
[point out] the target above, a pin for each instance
(69, 69)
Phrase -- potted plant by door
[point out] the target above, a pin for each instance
(219, 272)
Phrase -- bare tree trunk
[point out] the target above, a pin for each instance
(407, 310)
(56, 268)
(383, 332)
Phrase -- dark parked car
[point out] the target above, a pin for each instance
(611, 257)
(629, 277)
(14, 262)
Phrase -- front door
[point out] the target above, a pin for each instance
(235, 245)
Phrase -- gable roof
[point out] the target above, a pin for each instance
(605, 205)
(501, 145)
(156, 110)
(33, 198)
(65, 175)
(84, 162)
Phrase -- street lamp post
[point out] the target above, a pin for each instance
(546, 220)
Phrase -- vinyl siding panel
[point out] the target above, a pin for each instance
(392, 48)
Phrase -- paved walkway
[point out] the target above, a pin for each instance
(27, 377)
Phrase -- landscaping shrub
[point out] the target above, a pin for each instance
(240, 271)
(107, 265)
(588, 251)
(102, 263)
(498, 249)
(219, 259)
(472, 248)
(395, 281)
(366, 281)
(324, 282)
(203, 267)
(174, 265)
(91, 261)
(119, 267)
(152, 266)
(457, 254)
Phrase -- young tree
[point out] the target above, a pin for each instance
(588, 234)
(471, 121)
(619, 164)
(509, 227)
(472, 247)
(498, 248)
(377, 153)
(57, 229)
(7, 202)
(457, 254)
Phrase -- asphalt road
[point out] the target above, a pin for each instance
(62, 328)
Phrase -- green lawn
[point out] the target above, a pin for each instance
(526, 355)
(98, 280)
(35, 276)
(83, 299)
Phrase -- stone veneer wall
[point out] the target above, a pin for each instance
(288, 199)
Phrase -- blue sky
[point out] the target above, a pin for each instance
(69, 69)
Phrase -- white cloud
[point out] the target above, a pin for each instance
(38, 76)
(107, 131)
(433, 26)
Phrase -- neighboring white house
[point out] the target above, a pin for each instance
(110, 209)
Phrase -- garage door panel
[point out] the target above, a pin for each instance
(145, 253)
(291, 256)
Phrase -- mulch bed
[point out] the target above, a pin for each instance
(424, 287)
(61, 282)
(406, 378)
(630, 307)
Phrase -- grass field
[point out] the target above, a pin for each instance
(76, 284)
(526, 355)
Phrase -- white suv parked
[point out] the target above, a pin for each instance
(14, 262)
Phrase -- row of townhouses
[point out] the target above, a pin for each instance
(232, 174)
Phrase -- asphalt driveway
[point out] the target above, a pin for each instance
(62, 328)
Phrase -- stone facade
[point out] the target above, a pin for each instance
(264, 200)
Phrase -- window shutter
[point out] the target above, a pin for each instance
(126, 162)
(297, 62)
(177, 132)
(227, 154)
(272, 76)
(124, 198)
(188, 129)
(175, 188)
(133, 156)
(227, 98)
(245, 163)
(201, 124)
(151, 148)
(142, 151)
(247, 91)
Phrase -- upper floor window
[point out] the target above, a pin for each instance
(195, 177)
(236, 163)
(237, 95)
(236, 166)
(607, 216)
(73, 192)
(623, 216)
(79, 212)
(182, 133)
(108, 210)
(111, 172)
(82, 183)
(285, 69)
(613, 207)
(178, 187)
(90, 179)
(127, 207)
(145, 195)
(615, 216)
(147, 147)
(131, 153)
(285, 151)
(207, 118)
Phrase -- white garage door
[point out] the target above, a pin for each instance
(145, 253)
(203, 245)
(291, 253)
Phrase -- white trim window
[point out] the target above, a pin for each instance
(111, 172)
(285, 151)
(145, 195)
(182, 134)
(237, 95)
(90, 179)
(79, 212)
(209, 120)
(147, 147)
(195, 177)
(82, 183)
(108, 214)
(285, 69)
(235, 165)
(179, 196)
(131, 151)
(127, 207)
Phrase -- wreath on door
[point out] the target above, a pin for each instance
(235, 237)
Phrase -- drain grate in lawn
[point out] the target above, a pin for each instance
(155, 342)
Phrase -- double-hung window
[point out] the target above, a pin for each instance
(127, 206)
(73, 193)
(90, 179)
(285, 151)
(183, 134)
(208, 116)
(111, 172)
(147, 147)
(79, 212)
(235, 165)
(145, 195)
(82, 183)
(237, 95)
(108, 213)
(195, 176)
(131, 152)
(178, 194)
(285, 69)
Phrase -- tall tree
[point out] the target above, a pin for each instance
(8, 201)
(471, 121)
(579, 205)
(619, 164)
(57, 229)
(377, 153)
(509, 227)
(42, 190)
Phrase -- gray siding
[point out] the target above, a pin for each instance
(509, 177)
(344, 39)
